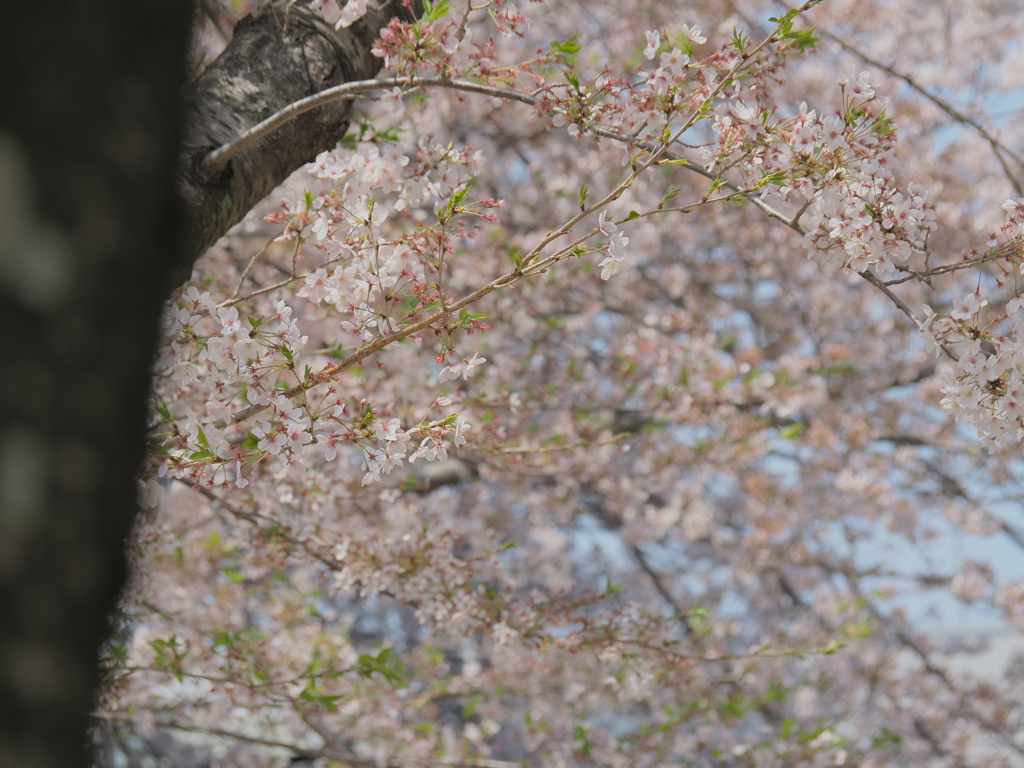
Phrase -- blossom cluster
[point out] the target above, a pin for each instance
(985, 387)
(341, 13)
(838, 170)
(984, 375)
(377, 275)
(216, 449)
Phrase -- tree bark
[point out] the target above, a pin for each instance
(273, 60)
(89, 113)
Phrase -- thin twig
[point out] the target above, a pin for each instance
(245, 273)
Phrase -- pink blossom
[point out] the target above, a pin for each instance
(969, 307)
(271, 440)
(653, 43)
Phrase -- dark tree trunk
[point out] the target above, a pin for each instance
(91, 236)
(273, 60)
(89, 110)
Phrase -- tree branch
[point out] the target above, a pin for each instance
(217, 160)
(274, 60)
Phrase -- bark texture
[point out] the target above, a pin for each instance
(89, 109)
(273, 60)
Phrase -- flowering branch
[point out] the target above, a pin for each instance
(999, 149)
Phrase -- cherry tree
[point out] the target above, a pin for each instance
(604, 397)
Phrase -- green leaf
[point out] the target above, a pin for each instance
(384, 663)
(778, 178)
(458, 198)
(348, 141)
(632, 215)
(472, 702)
(434, 11)
(611, 588)
(884, 738)
(465, 318)
(157, 449)
(388, 135)
(118, 651)
(860, 630)
(802, 39)
(569, 47)
(453, 206)
(580, 735)
(169, 653)
(793, 431)
(739, 41)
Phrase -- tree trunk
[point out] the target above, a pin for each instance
(274, 60)
(89, 109)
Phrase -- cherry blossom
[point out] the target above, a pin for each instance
(753, 361)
